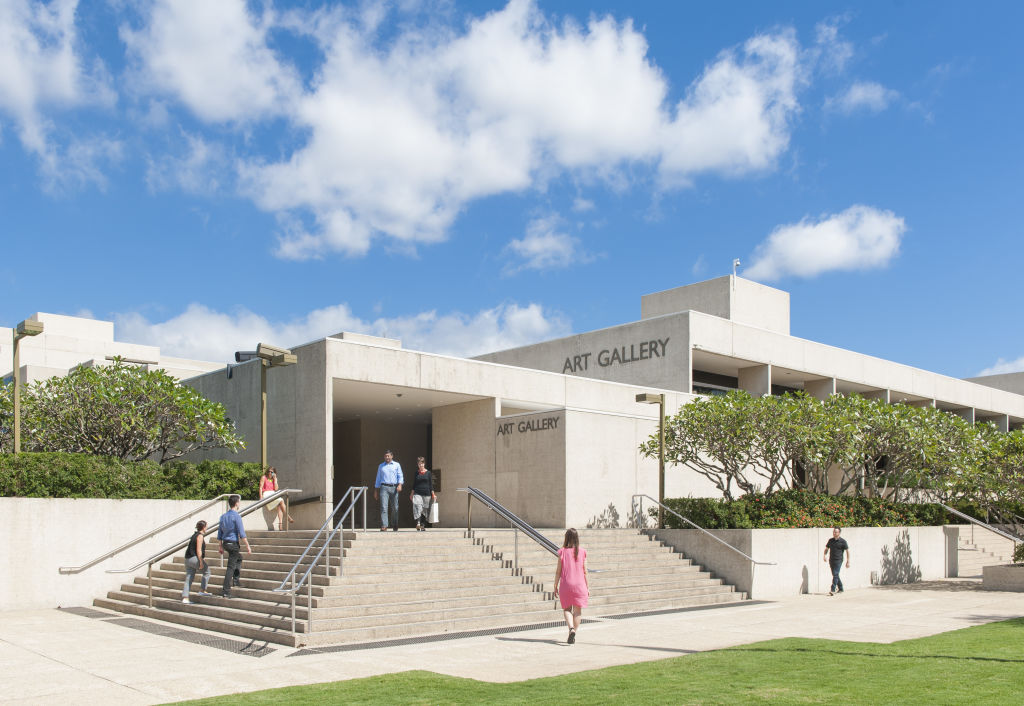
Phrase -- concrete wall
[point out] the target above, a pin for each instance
(733, 298)
(300, 434)
(464, 450)
(651, 353)
(530, 466)
(48, 533)
(897, 554)
(1011, 382)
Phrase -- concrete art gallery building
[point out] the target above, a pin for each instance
(552, 430)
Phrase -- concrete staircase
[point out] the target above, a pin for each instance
(407, 584)
(978, 548)
(630, 572)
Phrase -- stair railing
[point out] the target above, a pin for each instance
(518, 524)
(975, 521)
(147, 535)
(351, 496)
(639, 516)
(163, 554)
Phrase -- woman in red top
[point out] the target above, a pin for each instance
(268, 485)
(571, 583)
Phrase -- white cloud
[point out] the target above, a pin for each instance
(833, 52)
(206, 334)
(1003, 366)
(735, 118)
(545, 247)
(861, 237)
(582, 205)
(201, 169)
(400, 136)
(214, 57)
(42, 70)
(862, 95)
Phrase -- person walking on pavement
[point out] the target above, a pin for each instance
(230, 533)
(571, 582)
(386, 489)
(834, 549)
(422, 494)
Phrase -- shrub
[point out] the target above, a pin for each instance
(66, 475)
(800, 508)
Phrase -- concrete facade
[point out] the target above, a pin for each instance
(49, 533)
(889, 555)
(69, 341)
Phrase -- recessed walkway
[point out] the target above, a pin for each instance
(91, 655)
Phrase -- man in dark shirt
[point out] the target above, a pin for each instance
(834, 549)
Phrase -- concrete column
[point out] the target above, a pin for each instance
(967, 413)
(820, 389)
(757, 380)
(1002, 421)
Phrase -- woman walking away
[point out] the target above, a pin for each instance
(195, 560)
(571, 583)
(268, 486)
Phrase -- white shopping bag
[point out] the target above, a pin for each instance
(433, 513)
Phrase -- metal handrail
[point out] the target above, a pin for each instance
(639, 514)
(355, 492)
(507, 515)
(151, 533)
(518, 524)
(163, 554)
(978, 522)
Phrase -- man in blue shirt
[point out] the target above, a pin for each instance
(386, 489)
(230, 532)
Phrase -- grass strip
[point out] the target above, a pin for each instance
(982, 664)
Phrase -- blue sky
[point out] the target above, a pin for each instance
(474, 176)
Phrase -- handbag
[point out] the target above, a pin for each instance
(433, 518)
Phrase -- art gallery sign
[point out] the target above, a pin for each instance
(622, 355)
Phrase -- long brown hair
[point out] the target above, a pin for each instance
(572, 539)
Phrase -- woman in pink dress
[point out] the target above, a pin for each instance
(571, 582)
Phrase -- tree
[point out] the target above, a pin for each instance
(124, 411)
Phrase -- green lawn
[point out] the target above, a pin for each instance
(979, 665)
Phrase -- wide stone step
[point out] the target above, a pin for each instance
(234, 612)
(246, 601)
(171, 612)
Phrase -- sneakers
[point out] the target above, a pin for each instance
(203, 593)
(186, 601)
(383, 529)
(395, 529)
(419, 527)
(572, 637)
(226, 594)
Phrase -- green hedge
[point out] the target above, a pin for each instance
(799, 508)
(65, 475)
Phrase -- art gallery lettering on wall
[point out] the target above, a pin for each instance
(623, 355)
(528, 425)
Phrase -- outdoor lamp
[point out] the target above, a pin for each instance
(23, 330)
(658, 399)
(269, 357)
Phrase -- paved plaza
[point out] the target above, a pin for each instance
(90, 656)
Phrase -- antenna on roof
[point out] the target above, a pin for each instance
(735, 264)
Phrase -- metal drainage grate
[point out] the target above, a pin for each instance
(666, 611)
(88, 612)
(429, 638)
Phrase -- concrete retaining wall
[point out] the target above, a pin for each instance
(47, 533)
(895, 554)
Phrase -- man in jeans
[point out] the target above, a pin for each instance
(230, 532)
(386, 489)
(834, 549)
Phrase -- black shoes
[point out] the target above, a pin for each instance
(572, 637)
(395, 529)
(226, 594)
